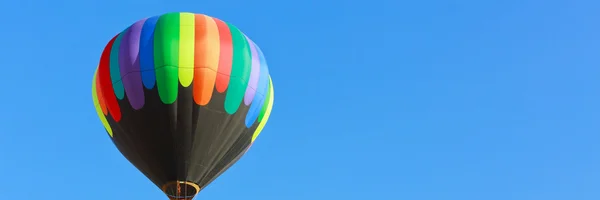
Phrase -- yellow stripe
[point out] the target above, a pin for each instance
(98, 108)
(267, 112)
(186, 48)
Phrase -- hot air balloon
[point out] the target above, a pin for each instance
(182, 96)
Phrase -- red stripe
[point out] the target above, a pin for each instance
(99, 95)
(225, 56)
(108, 93)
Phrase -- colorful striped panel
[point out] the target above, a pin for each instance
(184, 49)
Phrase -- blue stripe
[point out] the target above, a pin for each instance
(147, 52)
(261, 90)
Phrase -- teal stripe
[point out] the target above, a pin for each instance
(240, 70)
(115, 73)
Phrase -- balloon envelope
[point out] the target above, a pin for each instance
(182, 96)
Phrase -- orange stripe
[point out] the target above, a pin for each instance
(225, 57)
(206, 58)
(100, 96)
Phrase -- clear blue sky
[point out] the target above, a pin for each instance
(375, 100)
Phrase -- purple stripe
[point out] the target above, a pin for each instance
(253, 82)
(130, 65)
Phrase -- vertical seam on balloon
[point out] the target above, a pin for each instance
(225, 56)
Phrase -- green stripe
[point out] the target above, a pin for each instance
(266, 103)
(115, 73)
(240, 70)
(166, 56)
